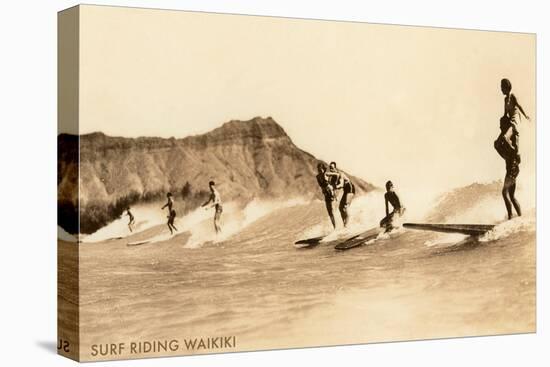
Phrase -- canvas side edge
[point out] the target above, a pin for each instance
(68, 288)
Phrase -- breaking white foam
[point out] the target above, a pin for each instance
(146, 216)
(509, 227)
(233, 220)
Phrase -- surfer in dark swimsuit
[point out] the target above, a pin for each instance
(328, 191)
(171, 213)
(507, 146)
(391, 197)
(216, 201)
(131, 216)
(511, 117)
(341, 181)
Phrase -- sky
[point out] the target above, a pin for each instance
(419, 106)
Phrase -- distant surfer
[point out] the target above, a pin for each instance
(340, 181)
(391, 197)
(328, 191)
(507, 145)
(171, 213)
(215, 201)
(131, 217)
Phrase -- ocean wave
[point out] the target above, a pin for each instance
(233, 220)
(147, 216)
(526, 223)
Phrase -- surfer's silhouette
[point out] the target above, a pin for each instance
(391, 197)
(512, 115)
(215, 201)
(131, 216)
(340, 181)
(171, 213)
(327, 190)
(507, 145)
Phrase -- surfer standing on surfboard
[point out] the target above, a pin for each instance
(392, 198)
(328, 191)
(507, 145)
(131, 216)
(216, 201)
(340, 181)
(171, 213)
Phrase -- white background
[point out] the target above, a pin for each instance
(28, 179)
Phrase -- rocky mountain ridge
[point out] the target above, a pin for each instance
(247, 160)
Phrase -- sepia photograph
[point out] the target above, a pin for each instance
(233, 183)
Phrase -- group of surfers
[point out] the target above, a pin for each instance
(214, 201)
(337, 187)
(332, 181)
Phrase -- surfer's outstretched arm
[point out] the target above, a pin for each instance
(207, 202)
(329, 175)
(339, 179)
(522, 111)
(399, 202)
(211, 202)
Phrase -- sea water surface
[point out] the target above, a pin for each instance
(252, 283)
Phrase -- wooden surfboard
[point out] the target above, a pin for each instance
(467, 229)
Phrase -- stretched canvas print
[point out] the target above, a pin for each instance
(234, 183)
